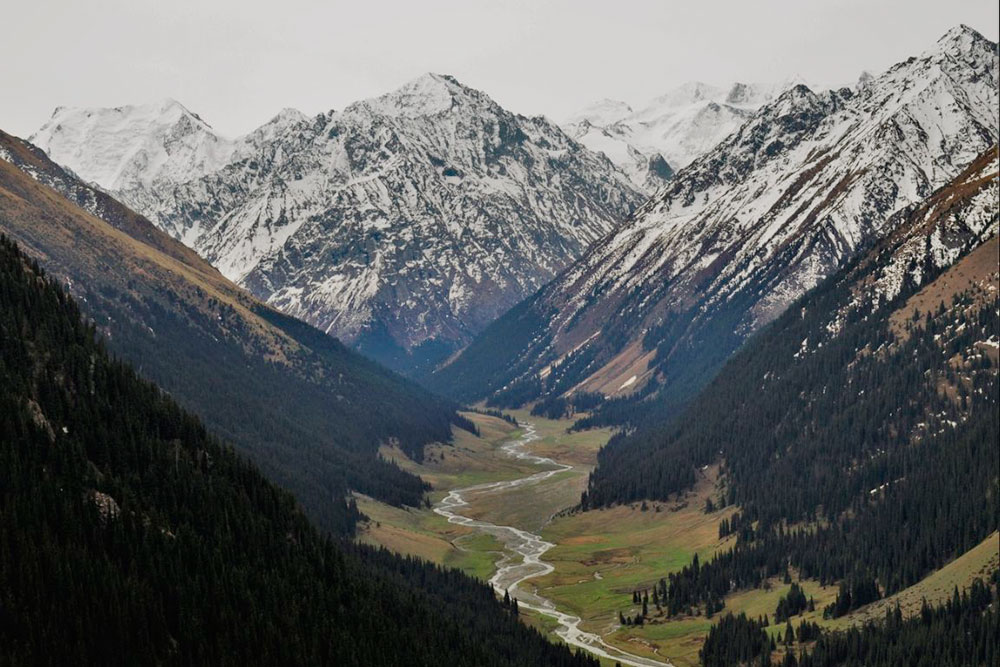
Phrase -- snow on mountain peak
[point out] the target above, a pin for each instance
(168, 105)
(417, 216)
(794, 98)
(685, 94)
(132, 145)
(764, 216)
(275, 127)
(804, 183)
(287, 116)
(674, 128)
(426, 95)
(961, 47)
(602, 112)
(863, 79)
(963, 38)
(738, 94)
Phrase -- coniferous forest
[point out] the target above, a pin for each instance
(866, 456)
(298, 402)
(960, 632)
(130, 535)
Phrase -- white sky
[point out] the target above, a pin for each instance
(237, 63)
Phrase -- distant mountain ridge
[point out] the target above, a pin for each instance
(672, 130)
(660, 303)
(411, 219)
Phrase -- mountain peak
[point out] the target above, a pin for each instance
(603, 112)
(688, 93)
(273, 128)
(961, 34)
(167, 109)
(287, 116)
(132, 145)
(427, 95)
(752, 95)
(738, 93)
(963, 40)
(792, 99)
(738, 234)
(169, 104)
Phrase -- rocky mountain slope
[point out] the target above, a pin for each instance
(412, 219)
(934, 276)
(857, 433)
(742, 232)
(672, 130)
(309, 411)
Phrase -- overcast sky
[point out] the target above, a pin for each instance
(236, 63)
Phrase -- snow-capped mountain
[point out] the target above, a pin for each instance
(929, 237)
(412, 218)
(601, 113)
(746, 229)
(671, 130)
(139, 152)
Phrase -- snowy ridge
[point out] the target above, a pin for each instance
(420, 215)
(833, 166)
(601, 113)
(127, 146)
(936, 233)
(772, 210)
(159, 159)
(137, 152)
(671, 130)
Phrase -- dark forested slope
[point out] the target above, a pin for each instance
(859, 432)
(308, 410)
(129, 535)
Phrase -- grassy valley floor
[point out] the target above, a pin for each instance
(601, 556)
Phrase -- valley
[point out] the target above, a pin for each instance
(481, 460)
(423, 377)
(504, 500)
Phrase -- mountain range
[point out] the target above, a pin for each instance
(658, 305)
(403, 224)
(935, 271)
(672, 130)
(857, 436)
(231, 370)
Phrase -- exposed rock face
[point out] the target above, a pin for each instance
(411, 219)
(107, 507)
(752, 225)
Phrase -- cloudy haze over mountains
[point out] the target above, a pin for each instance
(233, 61)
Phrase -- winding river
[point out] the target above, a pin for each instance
(523, 553)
